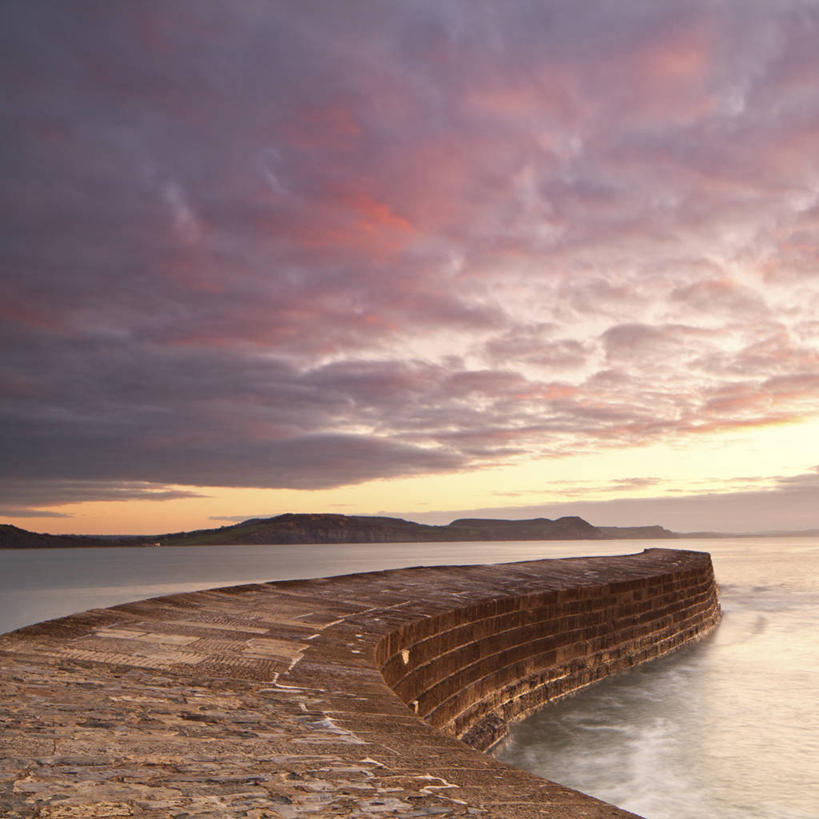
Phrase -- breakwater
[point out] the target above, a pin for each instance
(300, 698)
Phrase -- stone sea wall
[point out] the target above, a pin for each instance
(334, 697)
(470, 671)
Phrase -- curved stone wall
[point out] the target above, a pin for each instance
(470, 671)
(268, 700)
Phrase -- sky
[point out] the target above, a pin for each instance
(420, 259)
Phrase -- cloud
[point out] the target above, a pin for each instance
(535, 345)
(789, 506)
(18, 512)
(722, 296)
(256, 245)
(26, 498)
(805, 482)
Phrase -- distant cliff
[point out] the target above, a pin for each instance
(324, 528)
(292, 528)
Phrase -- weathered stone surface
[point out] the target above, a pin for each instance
(268, 700)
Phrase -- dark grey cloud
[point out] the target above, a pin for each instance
(26, 497)
(182, 416)
(24, 512)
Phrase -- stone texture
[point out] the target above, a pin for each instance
(277, 700)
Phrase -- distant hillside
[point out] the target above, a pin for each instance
(316, 528)
(321, 528)
(12, 537)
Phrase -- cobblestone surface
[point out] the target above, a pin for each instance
(263, 701)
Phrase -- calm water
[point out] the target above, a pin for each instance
(728, 728)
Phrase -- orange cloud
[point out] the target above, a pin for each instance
(357, 222)
(374, 214)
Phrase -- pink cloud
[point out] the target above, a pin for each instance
(472, 232)
(667, 76)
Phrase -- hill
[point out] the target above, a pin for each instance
(328, 528)
(320, 528)
(13, 537)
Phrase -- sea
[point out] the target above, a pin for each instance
(726, 728)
